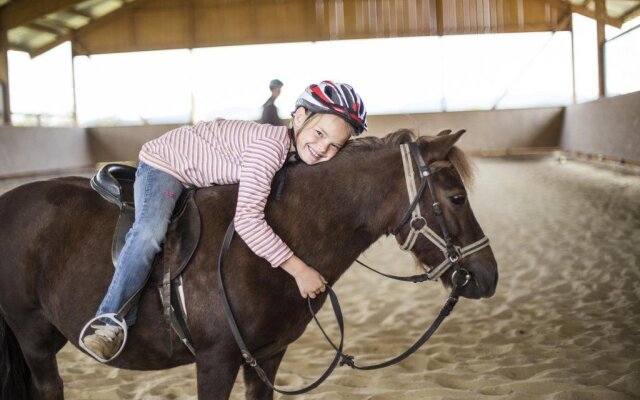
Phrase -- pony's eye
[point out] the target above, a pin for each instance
(458, 199)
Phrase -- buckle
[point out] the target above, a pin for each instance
(466, 275)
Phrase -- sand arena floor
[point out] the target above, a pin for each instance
(564, 323)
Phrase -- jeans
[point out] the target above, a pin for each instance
(155, 194)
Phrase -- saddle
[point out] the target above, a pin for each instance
(114, 182)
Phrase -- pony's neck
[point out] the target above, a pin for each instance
(347, 205)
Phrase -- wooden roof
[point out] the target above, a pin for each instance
(110, 26)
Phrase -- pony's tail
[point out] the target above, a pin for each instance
(15, 377)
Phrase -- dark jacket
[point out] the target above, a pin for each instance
(270, 113)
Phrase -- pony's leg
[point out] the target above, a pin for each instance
(216, 372)
(40, 341)
(255, 388)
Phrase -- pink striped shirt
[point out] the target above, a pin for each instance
(224, 152)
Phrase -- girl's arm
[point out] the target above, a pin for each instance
(261, 160)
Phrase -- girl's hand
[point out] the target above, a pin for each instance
(310, 282)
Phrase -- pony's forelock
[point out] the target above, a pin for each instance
(456, 157)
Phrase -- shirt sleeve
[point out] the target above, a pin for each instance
(261, 159)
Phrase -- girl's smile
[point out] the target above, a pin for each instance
(321, 138)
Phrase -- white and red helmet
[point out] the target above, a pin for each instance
(335, 98)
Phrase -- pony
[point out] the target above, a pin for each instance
(55, 264)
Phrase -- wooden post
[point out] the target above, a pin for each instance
(573, 61)
(439, 18)
(73, 83)
(601, 15)
(4, 76)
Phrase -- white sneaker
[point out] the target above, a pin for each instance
(105, 341)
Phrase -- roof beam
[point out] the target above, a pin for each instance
(56, 23)
(112, 16)
(20, 12)
(630, 13)
(95, 23)
(582, 10)
(17, 47)
(80, 13)
(44, 28)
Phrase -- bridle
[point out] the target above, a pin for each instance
(453, 254)
(418, 224)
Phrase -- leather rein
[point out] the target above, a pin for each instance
(418, 225)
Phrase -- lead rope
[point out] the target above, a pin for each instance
(340, 358)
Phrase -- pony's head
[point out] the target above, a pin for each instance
(454, 235)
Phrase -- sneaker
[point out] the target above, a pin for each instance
(105, 341)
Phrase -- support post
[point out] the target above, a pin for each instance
(4, 76)
(601, 15)
(439, 18)
(73, 81)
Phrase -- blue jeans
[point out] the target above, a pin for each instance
(155, 194)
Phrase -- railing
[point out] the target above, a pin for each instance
(42, 119)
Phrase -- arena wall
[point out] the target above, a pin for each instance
(608, 126)
(29, 151)
(486, 130)
(121, 143)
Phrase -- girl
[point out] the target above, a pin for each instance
(218, 153)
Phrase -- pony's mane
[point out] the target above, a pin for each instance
(456, 157)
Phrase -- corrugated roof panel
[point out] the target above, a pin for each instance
(28, 39)
(103, 7)
(70, 19)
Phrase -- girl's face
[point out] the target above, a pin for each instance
(322, 138)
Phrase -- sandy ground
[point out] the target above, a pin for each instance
(564, 323)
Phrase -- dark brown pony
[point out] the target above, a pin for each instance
(55, 265)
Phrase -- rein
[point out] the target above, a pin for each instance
(453, 254)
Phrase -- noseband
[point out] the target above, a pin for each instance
(418, 223)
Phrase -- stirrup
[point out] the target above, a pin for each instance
(113, 317)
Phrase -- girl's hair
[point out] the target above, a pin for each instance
(313, 115)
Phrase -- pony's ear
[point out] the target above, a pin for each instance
(438, 148)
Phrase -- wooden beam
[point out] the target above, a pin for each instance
(629, 13)
(4, 77)
(579, 9)
(439, 18)
(20, 12)
(80, 13)
(56, 23)
(55, 43)
(18, 47)
(90, 26)
(44, 28)
(601, 12)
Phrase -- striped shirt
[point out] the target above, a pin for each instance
(223, 152)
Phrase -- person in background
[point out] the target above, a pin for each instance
(269, 109)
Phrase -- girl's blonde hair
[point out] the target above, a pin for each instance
(310, 116)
